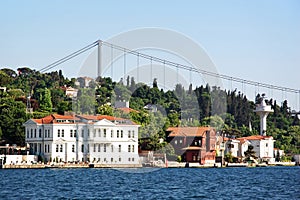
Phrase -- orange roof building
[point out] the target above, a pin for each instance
(194, 144)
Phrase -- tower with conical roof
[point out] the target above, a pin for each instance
(263, 111)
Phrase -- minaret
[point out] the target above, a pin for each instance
(263, 110)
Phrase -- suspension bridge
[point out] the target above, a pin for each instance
(99, 44)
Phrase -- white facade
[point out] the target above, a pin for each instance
(83, 138)
(232, 146)
(262, 145)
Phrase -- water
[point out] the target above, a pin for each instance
(184, 183)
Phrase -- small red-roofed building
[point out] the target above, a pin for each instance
(194, 144)
(262, 145)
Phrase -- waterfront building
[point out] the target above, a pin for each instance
(97, 139)
(194, 144)
(262, 145)
(232, 146)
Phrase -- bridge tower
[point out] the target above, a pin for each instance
(263, 111)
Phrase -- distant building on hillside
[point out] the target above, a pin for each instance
(194, 144)
(124, 107)
(69, 91)
(83, 82)
(98, 139)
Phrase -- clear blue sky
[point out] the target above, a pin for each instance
(255, 40)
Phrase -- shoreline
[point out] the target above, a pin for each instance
(111, 166)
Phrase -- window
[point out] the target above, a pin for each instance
(129, 148)
(119, 148)
(35, 133)
(63, 133)
(73, 148)
(175, 142)
(180, 141)
(111, 133)
(88, 132)
(132, 134)
(104, 133)
(129, 159)
(104, 148)
(31, 131)
(82, 133)
(45, 148)
(99, 132)
(48, 148)
(118, 133)
(57, 148)
(40, 148)
(132, 148)
(82, 148)
(111, 159)
(230, 146)
(27, 133)
(48, 133)
(75, 133)
(45, 133)
(71, 133)
(120, 159)
(61, 148)
(88, 148)
(132, 159)
(112, 148)
(40, 133)
(99, 148)
(94, 147)
(121, 133)
(266, 144)
(94, 133)
(129, 134)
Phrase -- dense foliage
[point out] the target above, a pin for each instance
(153, 108)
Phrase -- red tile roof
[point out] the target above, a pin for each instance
(255, 137)
(50, 119)
(188, 131)
(127, 110)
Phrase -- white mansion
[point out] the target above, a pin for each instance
(97, 139)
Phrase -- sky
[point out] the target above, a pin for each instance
(253, 40)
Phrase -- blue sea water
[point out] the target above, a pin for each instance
(177, 183)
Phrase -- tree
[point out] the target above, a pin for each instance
(155, 85)
(250, 153)
(63, 106)
(228, 158)
(12, 117)
(45, 100)
(105, 110)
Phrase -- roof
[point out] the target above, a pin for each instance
(127, 110)
(242, 140)
(256, 137)
(53, 119)
(188, 131)
(50, 119)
